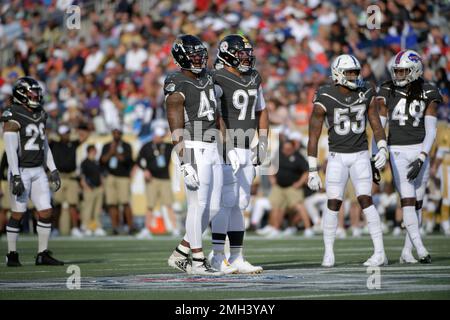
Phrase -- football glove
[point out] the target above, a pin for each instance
(314, 181)
(17, 186)
(381, 156)
(234, 160)
(416, 166)
(376, 176)
(190, 176)
(55, 181)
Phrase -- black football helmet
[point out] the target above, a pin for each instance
(236, 51)
(190, 53)
(28, 92)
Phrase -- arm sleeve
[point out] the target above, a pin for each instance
(260, 103)
(218, 93)
(49, 161)
(430, 133)
(383, 121)
(11, 146)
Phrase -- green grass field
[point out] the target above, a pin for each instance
(124, 268)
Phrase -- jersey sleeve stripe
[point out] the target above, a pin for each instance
(16, 122)
(320, 104)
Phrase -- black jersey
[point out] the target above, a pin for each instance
(240, 99)
(346, 117)
(199, 103)
(31, 134)
(406, 123)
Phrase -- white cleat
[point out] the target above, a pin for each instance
(221, 263)
(376, 260)
(245, 267)
(407, 257)
(357, 232)
(179, 262)
(204, 269)
(274, 234)
(328, 260)
(289, 231)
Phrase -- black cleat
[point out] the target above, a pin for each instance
(12, 259)
(425, 260)
(44, 258)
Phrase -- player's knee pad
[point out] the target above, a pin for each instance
(334, 204)
(365, 201)
(14, 223)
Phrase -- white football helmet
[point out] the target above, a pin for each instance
(343, 63)
(409, 61)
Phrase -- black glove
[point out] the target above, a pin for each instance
(55, 180)
(376, 176)
(415, 166)
(17, 186)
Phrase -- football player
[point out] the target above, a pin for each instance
(242, 110)
(410, 104)
(345, 106)
(28, 154)
(191, 112)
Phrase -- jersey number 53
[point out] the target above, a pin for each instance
(343, 124)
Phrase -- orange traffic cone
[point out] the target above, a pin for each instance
(158, 226)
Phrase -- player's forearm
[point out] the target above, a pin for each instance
(49, 161)
(315, 129)
(11, 146)
(175, 117)
(430, 133)
(263, 123)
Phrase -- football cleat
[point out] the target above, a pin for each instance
(328, 260)
(220, 263)
(376, 260)
(340, 233)
(245, 267)
(203, 268)
(45, 258)
(180, 261)
(12, 259)
(407, 257)
(425, 259)
(309, 233)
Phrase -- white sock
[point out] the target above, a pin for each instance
(12, 234)
(411, 223)
(330, 223)
(408, 247)
(43, 229)
(374, 225)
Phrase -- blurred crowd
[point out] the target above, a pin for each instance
(109, 72)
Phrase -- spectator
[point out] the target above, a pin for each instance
(92, 184)
(287, 193)
(65, 156)
(116, 158)
(154, 159)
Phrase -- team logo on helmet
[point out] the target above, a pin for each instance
(414, 57)
(224, 46)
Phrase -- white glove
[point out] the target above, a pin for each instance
(234, 160)
(190, 176)
(314, 182)
(382, 154)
